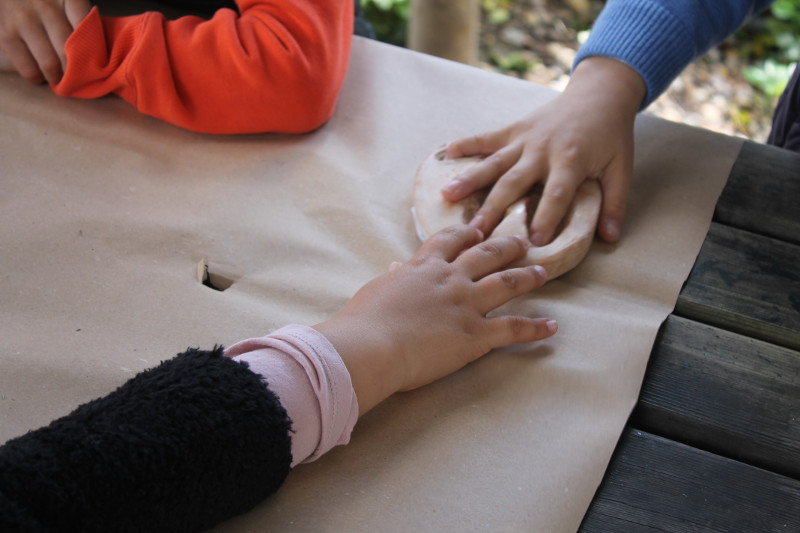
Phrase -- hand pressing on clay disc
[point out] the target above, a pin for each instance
(434, 314)
(584, 133)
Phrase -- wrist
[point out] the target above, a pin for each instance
(610, 80)
(374, 373)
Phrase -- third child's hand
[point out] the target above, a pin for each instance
(429, 317)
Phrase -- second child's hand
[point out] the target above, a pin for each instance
(586, 132)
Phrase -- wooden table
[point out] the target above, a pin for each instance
(714, 442)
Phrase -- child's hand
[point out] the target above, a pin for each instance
(584, 133)
(33, 34)
(427, 318)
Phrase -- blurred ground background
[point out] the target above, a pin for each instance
(732, 89)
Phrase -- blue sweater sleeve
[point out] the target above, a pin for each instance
(659, 38)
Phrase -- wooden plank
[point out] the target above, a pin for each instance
(762, 193)
(747, 284)
(726, 393)
(655, 484)
(445, 28)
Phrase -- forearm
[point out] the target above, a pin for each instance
(659, 38)
(199, 420)
(277, 66)
(180, 447)
(313, 383)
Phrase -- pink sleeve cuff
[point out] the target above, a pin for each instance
(304, 370)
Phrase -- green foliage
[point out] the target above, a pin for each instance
(772, 42)
(770, 77)
(497, 11)
(786, 10)
(389, 19)
(513, 62)
(785, 28)
(386, 5)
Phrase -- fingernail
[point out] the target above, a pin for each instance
(612, 229)
(540, 269)
(537, 239)
(523, 241)
(552, 326)
(478, 222)
(454, 187)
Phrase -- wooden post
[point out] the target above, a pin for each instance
(445, 28)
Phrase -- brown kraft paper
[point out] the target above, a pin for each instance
(106, 213)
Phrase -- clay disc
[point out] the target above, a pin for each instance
(568, 248)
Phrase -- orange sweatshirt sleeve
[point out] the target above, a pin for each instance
(276, 67)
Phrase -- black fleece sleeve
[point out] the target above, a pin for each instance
(180, 447)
